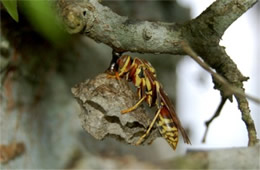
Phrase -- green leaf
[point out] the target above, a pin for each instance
(43, 18)
(11, 7)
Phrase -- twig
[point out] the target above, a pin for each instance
(246, 117)
(230, 89)
(217, 113)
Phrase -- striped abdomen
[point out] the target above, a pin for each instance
(167, 128)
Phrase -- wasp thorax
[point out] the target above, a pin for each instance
(123, 62)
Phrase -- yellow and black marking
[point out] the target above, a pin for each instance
(143, 76)
(167, 128)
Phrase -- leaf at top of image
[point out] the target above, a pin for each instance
(11, 7)
(43, 18)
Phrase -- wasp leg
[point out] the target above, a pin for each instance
(141, 139)
(133, 107)
(116, 76)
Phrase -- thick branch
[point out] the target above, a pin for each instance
(103, 25)
(220, 15)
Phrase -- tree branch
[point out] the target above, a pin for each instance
(103, 25)
(216, 114)
(219, 16)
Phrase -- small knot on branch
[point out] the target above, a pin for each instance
(147, 34)
(73, 18)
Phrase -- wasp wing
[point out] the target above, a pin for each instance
(164, 97)
(161, 96)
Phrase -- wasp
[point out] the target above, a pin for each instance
(150, 90)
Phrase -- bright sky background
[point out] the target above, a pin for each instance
(197, 100)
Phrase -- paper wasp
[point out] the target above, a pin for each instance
(143, 76)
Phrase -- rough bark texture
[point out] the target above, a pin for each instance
(103, 25)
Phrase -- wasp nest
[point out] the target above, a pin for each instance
(101, 100)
